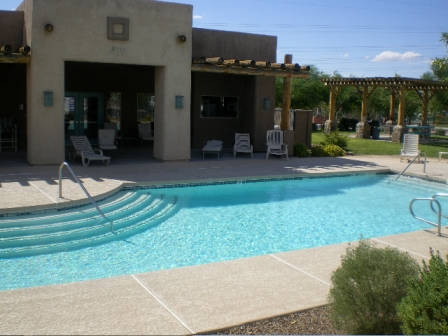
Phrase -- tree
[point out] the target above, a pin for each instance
(379, 103)
(306, 93)
(440, 65)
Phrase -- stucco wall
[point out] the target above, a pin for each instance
(11, 29)
(226, 44)
(80, 34)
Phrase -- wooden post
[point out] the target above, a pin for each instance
(286, 103)
(365, 95)
(425, 108)
(401, 107)
(392, 105)
(333, 95)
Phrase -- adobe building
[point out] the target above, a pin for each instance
(68, 67)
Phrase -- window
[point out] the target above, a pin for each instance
(113, 113)
(219, 107)
(145, 107)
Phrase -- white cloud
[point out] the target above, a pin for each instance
(197, 17)
(366, 57)
(344, 55)
(391, 56)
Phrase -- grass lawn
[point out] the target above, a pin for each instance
(380, 147)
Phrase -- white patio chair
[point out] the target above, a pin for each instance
(106, 139)
(410, 147)
(212, 147)
(145, 132)
(84, 150)
(274, 141)
(113, 126)
(242, 144)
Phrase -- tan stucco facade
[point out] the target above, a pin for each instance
(80, 35)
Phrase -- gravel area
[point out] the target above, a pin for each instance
(315, 321)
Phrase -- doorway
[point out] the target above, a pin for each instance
(83, 115)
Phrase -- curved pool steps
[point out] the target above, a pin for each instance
(64, 236)
(54, 216)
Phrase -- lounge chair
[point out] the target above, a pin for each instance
(274, 141)
(242, 144)
(106, 139)
(212, 147)
(145, 132)
(410, 147)
(84, 150)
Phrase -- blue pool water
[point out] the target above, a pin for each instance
(223, 222)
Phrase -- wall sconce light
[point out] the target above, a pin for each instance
(49, 27)
(179, 102)
(6, 49)
(48, 98)
(181, 39)
(267, 103)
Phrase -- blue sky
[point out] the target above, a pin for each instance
(376, 38)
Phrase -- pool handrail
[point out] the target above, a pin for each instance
(438, 213)
(418, 156)
(83, 188)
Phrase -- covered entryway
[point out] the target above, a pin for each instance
(99, 93)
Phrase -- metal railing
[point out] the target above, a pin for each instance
(438, 212)
(418, 156)
(85, 191)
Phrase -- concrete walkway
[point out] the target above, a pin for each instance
(189, 300)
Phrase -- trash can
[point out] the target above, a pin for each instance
(375, 133)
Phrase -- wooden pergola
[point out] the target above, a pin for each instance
(248, 67)
(397, 86)
(287, 70)
(21, 56)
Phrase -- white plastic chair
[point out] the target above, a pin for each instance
(242, 144)
(410, 147)
(106, 139)
(113, 126)
(84, 150)
(274, 141)
(145, 132)
(212, 147)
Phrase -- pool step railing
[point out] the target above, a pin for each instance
(410, 163)
(432, 200)
(65, 164)
(132, 222)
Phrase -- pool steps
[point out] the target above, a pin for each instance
(80, 228)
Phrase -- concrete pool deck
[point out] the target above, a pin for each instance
(188, 300)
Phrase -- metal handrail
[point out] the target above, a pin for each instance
(432, 208)
(84, 189)
(424, 167)
(439, 213)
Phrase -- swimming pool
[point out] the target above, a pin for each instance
(233, 220)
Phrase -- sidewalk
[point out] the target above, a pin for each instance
(189, 300)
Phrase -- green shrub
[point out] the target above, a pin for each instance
(318, 151)
(300, 150)
(440, 132)
(333, 150)
(366, 288)
(334, 138)
(425, 309)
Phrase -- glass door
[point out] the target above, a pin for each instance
(83, 114)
